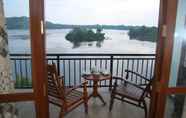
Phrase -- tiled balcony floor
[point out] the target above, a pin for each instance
(96, 109)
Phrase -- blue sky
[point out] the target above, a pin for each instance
(114, 12)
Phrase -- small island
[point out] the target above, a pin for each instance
(143, 33)
(81, 34)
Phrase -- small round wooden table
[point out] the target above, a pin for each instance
(96, 78)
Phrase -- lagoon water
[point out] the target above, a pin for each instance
(117, 41)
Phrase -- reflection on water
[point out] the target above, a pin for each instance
(89, 44)
(76, 44)
(99, 43)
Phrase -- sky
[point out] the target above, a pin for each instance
(90, 12)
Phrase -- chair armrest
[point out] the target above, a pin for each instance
(137, 74)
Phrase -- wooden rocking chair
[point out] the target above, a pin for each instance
(131, 93)
(66, 98)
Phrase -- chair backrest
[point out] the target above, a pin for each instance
(55, 84)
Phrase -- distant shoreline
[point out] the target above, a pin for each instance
(67, 29)
(23, 23)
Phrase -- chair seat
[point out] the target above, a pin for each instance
(129, 90)
(73, 97)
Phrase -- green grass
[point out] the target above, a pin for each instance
(23, 82)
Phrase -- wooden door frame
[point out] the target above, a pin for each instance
(167, 20)
(39, 96)
(38, 58)
(159, 56)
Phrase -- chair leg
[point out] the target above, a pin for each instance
(86, 106)
(111, 101)
(123, 99)
(62, 114)
(85, 97)
(145, 109)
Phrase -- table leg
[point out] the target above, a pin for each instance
(95, 89)
(101, 98)
(95, 92)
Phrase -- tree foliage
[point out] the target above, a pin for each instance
(143, 33)
(80, 34)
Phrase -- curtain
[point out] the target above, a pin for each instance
(7, 110)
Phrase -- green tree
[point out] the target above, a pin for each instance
(81, 34)
(143, 33)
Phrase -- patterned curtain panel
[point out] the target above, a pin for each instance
(7, 110)
(6, 83)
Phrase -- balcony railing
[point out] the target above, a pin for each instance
(72, 66)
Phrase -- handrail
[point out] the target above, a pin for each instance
(72, 65)
(84, 54)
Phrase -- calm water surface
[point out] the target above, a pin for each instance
(117, 41)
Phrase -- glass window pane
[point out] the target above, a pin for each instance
(178, 66)
(176, 106)
(17, 21)
(17, 27)
(101, 27)
(114, 19)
